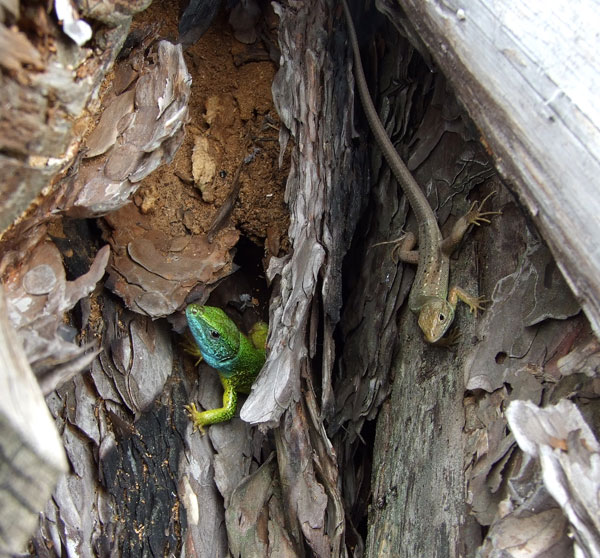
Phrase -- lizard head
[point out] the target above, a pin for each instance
(435, 318)
(217, 337)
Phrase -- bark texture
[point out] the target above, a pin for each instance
(358, 438)
(47, 81)
(525, 74)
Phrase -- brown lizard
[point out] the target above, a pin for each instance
(429, 297)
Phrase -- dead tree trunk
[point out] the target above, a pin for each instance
(382, 445)
(445, 468)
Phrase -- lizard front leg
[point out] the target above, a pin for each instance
(200, 419)
(475, 216)
(474, 302)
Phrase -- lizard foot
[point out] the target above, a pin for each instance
(196, 417)
(258, 335)
(451, 340)
(474, 303)
(476, 216)
(396, 241)
(191, 348)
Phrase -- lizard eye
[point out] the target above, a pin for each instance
(442, 317)
(214, 334)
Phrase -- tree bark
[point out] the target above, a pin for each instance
(43, 95)
(526, 74)
(32, 453)
(440, 469)
(445, 466)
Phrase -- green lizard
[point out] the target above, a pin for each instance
(429, 296)
(235, 357)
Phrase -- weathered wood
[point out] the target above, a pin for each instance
(569, 455)
(43, 97)
(443, 461)
(527, 74)
(32, 452)
(418, 505)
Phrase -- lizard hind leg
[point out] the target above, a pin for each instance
(475, 216)
(403, 248)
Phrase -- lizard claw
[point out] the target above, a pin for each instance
(397, 243)
(403, 248)
(191, 348)
(451, 340)
(476, 303)
(194, 415)
(476, 216)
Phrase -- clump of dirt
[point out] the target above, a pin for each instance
(231, 120)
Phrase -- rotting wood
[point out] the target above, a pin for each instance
(46, 93)
(527, 74)
(32, 453)
(446, 470)
(420, 428)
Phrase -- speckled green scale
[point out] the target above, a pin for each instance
(234, 356)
